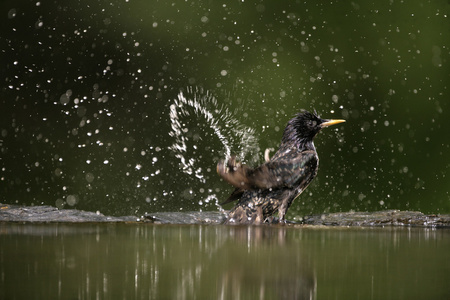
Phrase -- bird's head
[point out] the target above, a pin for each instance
(305, 126)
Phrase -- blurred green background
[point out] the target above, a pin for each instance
(88, 86)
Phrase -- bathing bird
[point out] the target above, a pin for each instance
(271, 188)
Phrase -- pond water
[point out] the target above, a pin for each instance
(144, 261)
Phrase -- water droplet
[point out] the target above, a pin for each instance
(72, 200)
(89, 177)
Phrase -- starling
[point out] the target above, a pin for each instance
(270, 188)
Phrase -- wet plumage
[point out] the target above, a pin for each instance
(272, 187)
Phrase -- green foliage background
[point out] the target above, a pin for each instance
(87, 88)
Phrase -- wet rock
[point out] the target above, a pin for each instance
(208, 217)
(379, 218)
(46, 214)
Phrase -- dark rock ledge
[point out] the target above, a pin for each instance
(49, 214)
(380, 218)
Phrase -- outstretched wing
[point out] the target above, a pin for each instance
(234, 172)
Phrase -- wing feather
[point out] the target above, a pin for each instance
(285, 171)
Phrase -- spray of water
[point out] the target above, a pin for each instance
(197, 110)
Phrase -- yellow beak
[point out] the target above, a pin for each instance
(331, 122)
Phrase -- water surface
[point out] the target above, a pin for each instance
(145, 261)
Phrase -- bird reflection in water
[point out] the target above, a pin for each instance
(258, 273)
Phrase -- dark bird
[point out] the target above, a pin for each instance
(272, 187)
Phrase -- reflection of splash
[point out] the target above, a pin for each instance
(196, 109)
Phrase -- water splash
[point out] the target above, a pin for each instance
(205, 131)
